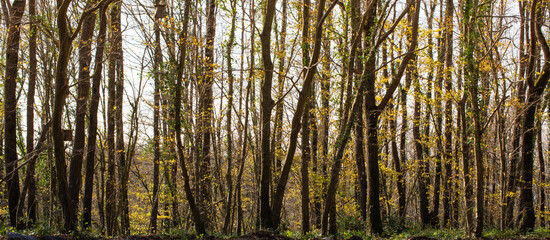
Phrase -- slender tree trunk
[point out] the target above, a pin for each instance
(359, 129)
(123, 166)
(512, 183)
(306, 157)
(324, 133)
(536, 89)
(542, 172)
(302, 100)
(401, 198)
(434, 212)
(206, 112)
(278, 128)
(243, 134)
(65, 189)
(228, 176)
(110, 185)
(439, 123)
(447, 155)
(157, 69)
(423, 172)
(373, 113)
(92, 125)
(10, 105)
(83, 89)
(33, 32)
(266, 217)
(200, 228)
(472, 86)
(242, 159)
(306, 150)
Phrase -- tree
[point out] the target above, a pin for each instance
(266, 107)
(195, 213)
(31, 201)
(92, 115)
(228, 176)
(157, 68)
(206, 114)
(306, 150)
(372, 114)
(10, 103)
(448, 155)
(536, 84)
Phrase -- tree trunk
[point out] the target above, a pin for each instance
(10, 105)
(157, 68)
(92, 125)
(542, 172)
(266, 217)
(33, 32)
(205, 119)
(277, 140)
(228, 176)
(110, 185)
(448, 148)
(195, 213)
(65, 190)
(296, 119)
(306, 150)
(358, 129)
(324, 133)
(123, 166)
(534, 93)
(83, 88)
(512, 183)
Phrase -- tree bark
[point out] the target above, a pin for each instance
(359, 129)
(195, 213)
(534, 93)
(228, 175)
(296, 119)
(266, 217)
(123, 165)
(66, 189)
(110, 185)
(448, 148)
(33, 32)
(10, 105)
(83, 89)
(205, 119)
(306, 150)
(92, 121)
(157, 69)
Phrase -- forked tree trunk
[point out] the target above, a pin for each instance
(536, 85)
(68, 190)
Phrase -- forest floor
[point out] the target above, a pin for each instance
(265, 235)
